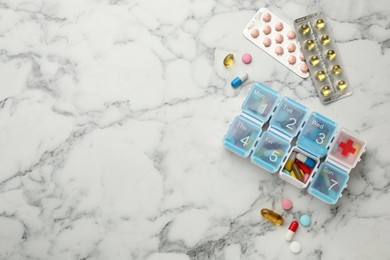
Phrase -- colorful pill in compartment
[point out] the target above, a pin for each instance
(299, 168)
(270, 151)
(289, 117)
(328, 183)
(260, 102)
(347, 148)
(317, 134)
(241, 136)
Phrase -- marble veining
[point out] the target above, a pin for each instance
(111, 120)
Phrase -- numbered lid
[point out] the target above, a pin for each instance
(289, 117)
(241, 136)
(347, 148)
(270, 151)
(317, 134)
(328, 183)
(260, 102)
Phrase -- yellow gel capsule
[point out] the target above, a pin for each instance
(290, 162)
(320, 24)
(297, 172)
(229, 60)
(304, 29)
(314, 60)
(341, 85)
(326, 90)
(325, 39)
(310, 44)
(272, 216)
(336, 69)
(320, 75)
(292, 174)
(331, 54)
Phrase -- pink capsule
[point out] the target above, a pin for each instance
(291, 47)
(291, 35)
(267, 42)
(267, 17)
(279, 50)
(279, 26)
(292, 59)
(255, 32)
(279, 38)
(267, 29)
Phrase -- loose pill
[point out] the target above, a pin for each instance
(291, 47)
(290, 161)
(291, 35)
(304, 68)
(306, 160)
(305, 220)
(298, 174)
(287, 204)
(267, 42)
(279, 38)
(279, 50)
(267, 17)
(237, 81)
(246, 58)
(272, 216)
(228, 60)
(279, 26)
(295, 247)
(267, 29)
(291, 59)
(291, 230)
(255, 32)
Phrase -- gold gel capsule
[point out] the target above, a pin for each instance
(326, 90)
(331, 54)
(272, 216)
(304, 29)
(341, 85)
(310, 44)
(336, 69)
(314, 60)
(320, 24)
(325, 39)
(320, 75)
(229, 60)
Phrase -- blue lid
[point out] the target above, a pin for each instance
(328, 183)
(260, 102)
(317, 134)
(289, 117)
(241, 136)
(270, 151)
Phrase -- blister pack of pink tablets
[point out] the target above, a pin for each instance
(277, 38)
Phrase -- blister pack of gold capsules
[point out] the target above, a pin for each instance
(322, 58)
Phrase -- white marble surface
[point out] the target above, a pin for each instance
(112, 114)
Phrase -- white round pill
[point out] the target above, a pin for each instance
(295, 247)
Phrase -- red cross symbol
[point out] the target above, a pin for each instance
(347, 147)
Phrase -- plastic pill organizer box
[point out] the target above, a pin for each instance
(309, 163)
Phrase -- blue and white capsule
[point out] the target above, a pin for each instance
(237, 81)
(306, 160)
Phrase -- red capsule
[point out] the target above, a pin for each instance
(303, 167)
(291, 230)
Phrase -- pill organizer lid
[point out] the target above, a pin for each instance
(320, 142)
(342, 147)
(260, 102)
(324, 189)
